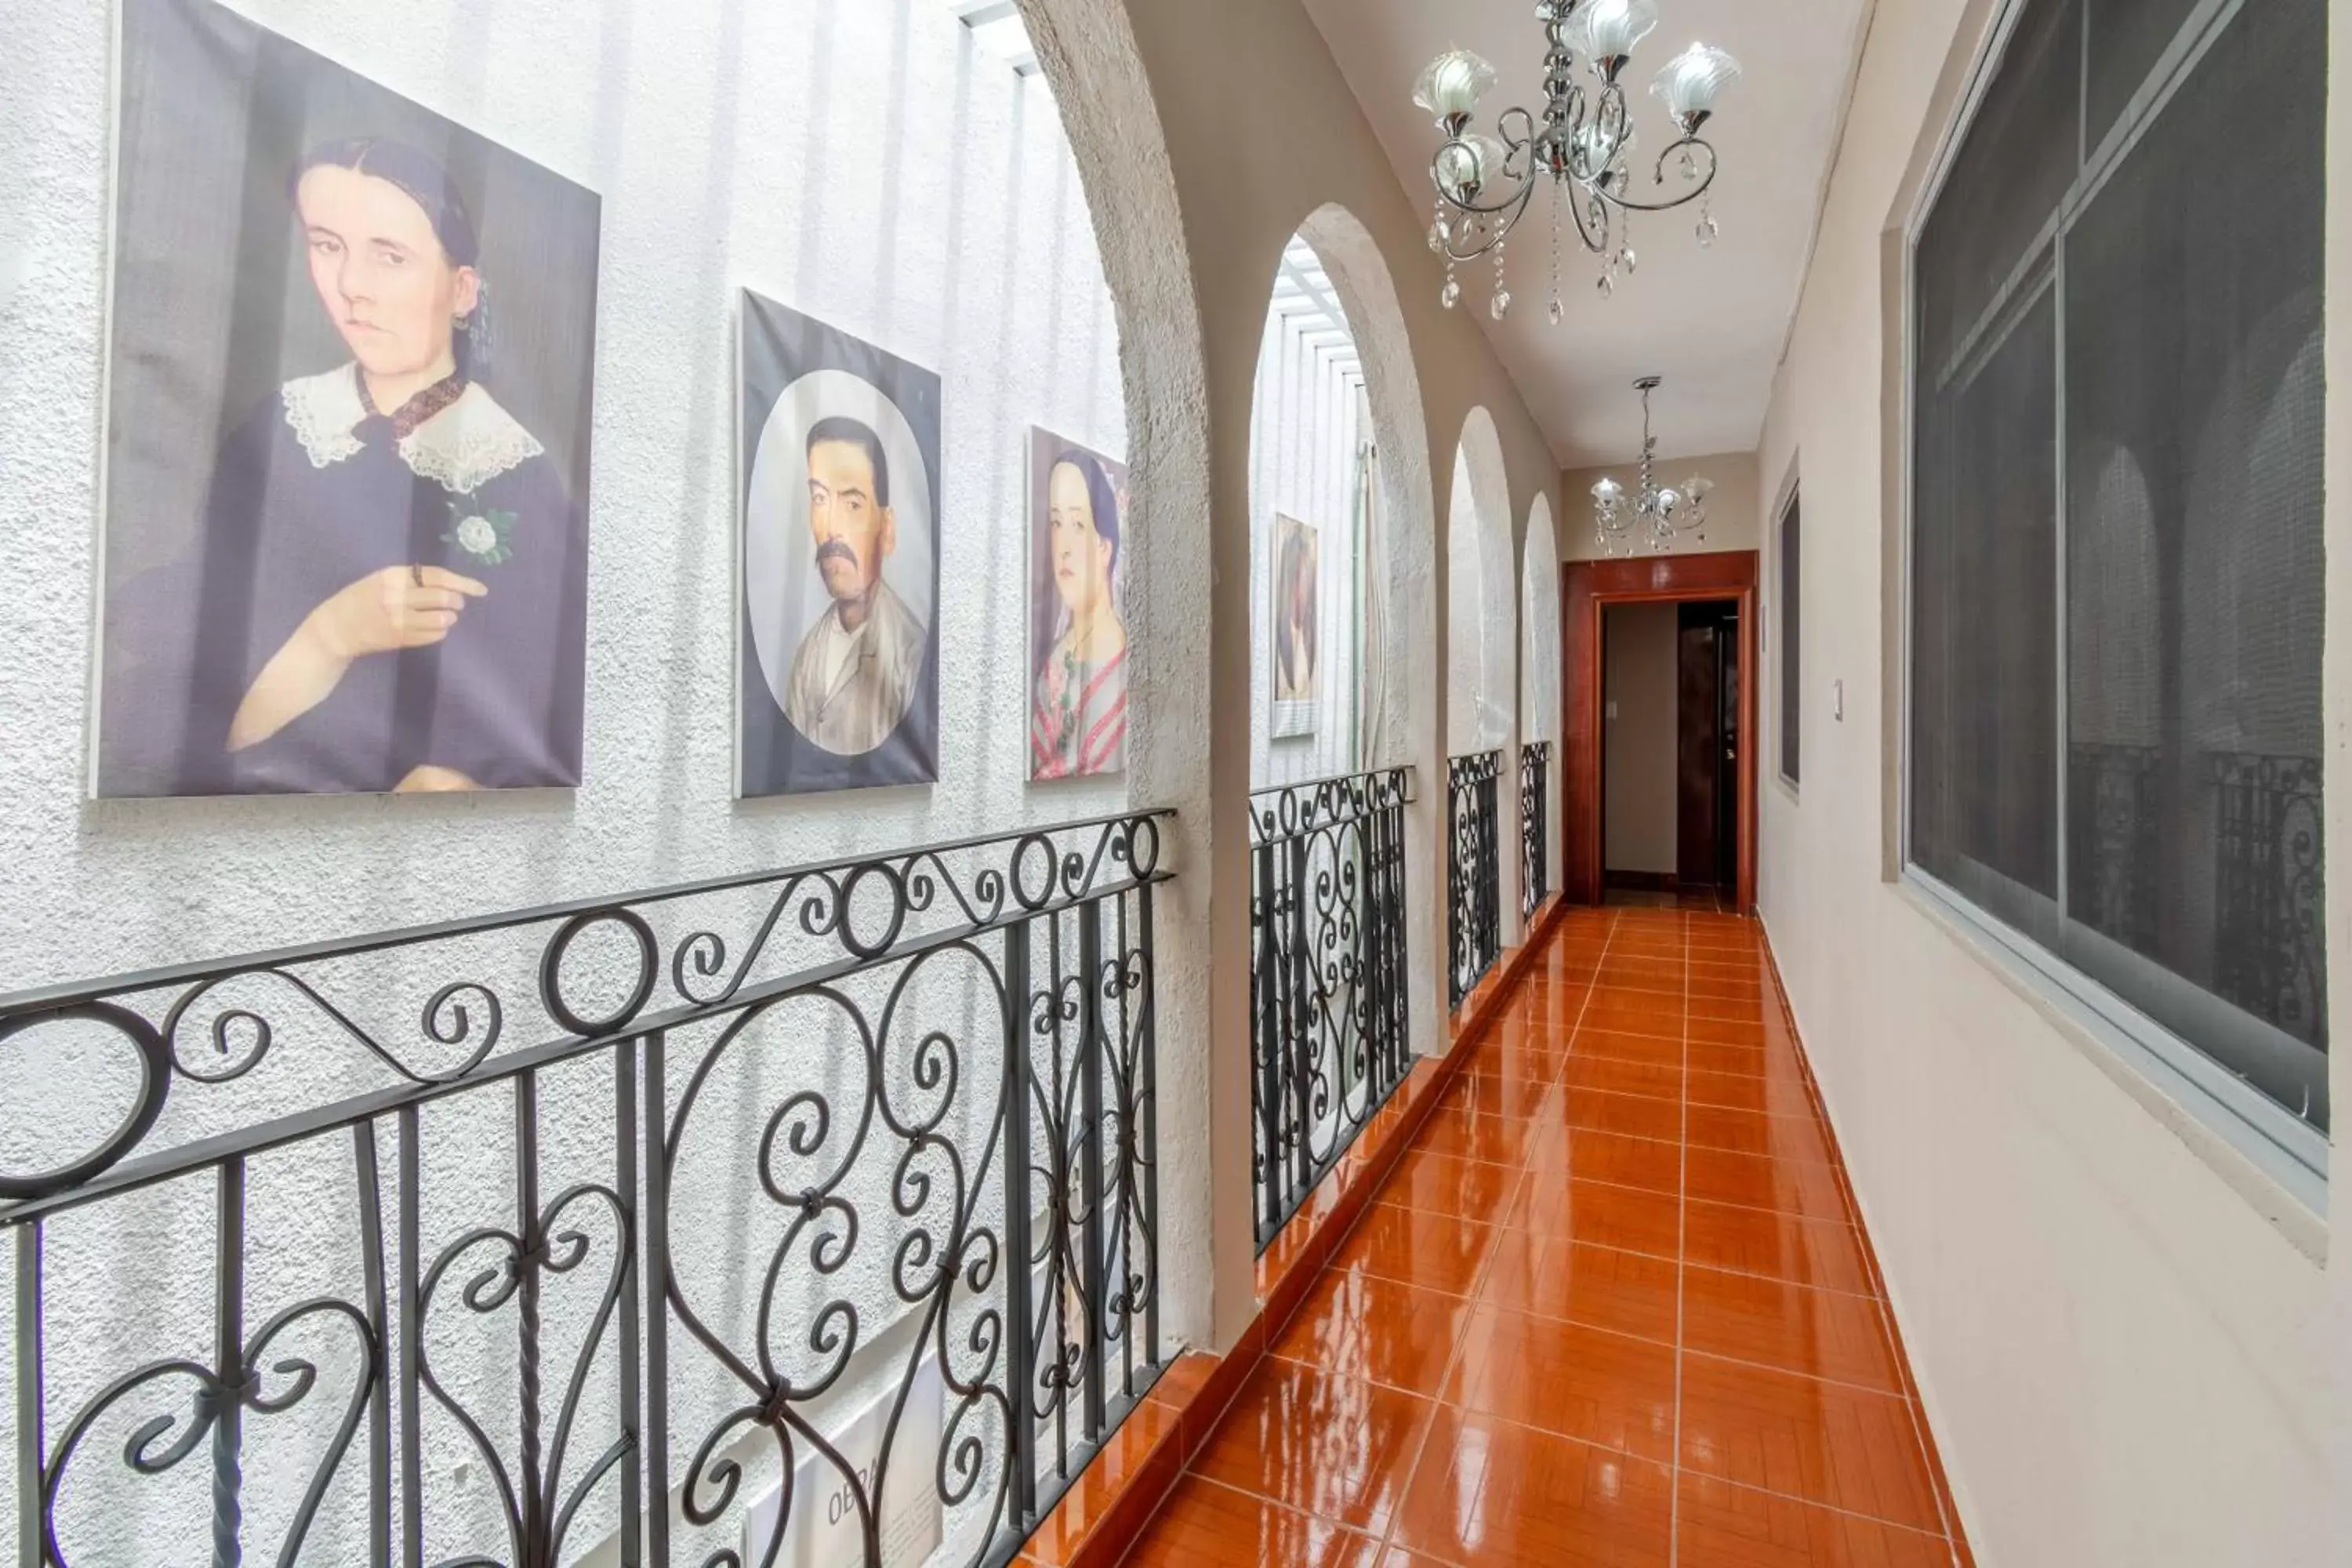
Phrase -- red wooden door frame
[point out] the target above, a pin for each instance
(1587, 587)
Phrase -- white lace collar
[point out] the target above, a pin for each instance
(461, 448)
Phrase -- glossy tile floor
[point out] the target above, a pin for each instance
(1612, 1307)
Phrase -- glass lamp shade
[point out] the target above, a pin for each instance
(1451, 85)
(1691, 82)
(1669, 501)
(1608, 29)
(1698, 488)
(1469, 165)
(1596, 149)
(1609, 497)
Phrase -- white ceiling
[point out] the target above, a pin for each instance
(1712, 320)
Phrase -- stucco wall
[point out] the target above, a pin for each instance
(1733, 507)
(2126, 1359)
(1263, 132)
(1640, 697)
(865, 163)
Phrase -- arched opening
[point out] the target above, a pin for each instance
(1088, 53)
(1394, 710)
(1315, 664)
(1482, 654)
(1342, 538)
(1539, 675)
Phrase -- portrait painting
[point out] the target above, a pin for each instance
(1077, 610)
(838, 644)
(1297, 650)
(345, 542)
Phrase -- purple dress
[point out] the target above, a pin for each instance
(313, 493)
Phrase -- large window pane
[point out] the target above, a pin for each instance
(2195, 570)
(1984, 639)
(2114, 701)
(1791, 684)
(2005, 181)
(2127, 37)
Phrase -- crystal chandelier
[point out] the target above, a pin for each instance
(1585, 144)
(1653, 517)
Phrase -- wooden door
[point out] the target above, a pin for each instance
(1698, 748)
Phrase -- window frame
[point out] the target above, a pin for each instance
(2290, 1152)
(1788, 611)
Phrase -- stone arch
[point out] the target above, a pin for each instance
(1087, 52)
(1481, 629)
(1481, 606)
(1401, 725)
(1539, 665)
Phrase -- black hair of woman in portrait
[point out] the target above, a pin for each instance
(1295, 625)
(391, 576)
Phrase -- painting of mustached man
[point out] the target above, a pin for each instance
(345, 535)
(838, 663)
(1297, 594)
(1077, 621)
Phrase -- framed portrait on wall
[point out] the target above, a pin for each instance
(344, 541)
(837, 657)
(1077, 611)
(1297, 660)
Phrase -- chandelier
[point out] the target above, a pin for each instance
(1584, 143)
(1654, 517)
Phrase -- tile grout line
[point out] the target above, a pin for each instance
(1682, 1273)
(1454, 1357)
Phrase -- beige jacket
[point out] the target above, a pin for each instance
(869, 694)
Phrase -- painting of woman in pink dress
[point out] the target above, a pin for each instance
(1077, 721)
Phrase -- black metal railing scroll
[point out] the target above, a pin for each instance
(1474, 871)
(1534, 845)
(806, 1210)
(1328, 1002)
(2271, 957)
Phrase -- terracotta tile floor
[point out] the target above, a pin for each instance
(1612, 1307)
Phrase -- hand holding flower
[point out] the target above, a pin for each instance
(383, 612)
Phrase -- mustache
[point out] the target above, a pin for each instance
(835, 550)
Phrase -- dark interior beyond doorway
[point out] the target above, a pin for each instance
(1706, 745)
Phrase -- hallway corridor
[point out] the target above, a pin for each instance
(1613, 1307)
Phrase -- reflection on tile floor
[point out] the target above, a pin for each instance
(1612, 1307)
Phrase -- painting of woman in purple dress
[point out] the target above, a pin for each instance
(384, 586)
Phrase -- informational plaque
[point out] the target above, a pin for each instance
(823, 1530)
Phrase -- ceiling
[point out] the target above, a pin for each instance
(1710, 320)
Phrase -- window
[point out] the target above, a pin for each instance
(1792, 582)
(2115, 558)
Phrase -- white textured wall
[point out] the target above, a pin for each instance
(1641, 703)
(1307, 421)
(2127, 1362)
(861, 160)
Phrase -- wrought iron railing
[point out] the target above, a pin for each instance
(1327, 969)
(2271, 953)
(1474, 871)
(2112, 840)
(1534, 845)
(592, 1233)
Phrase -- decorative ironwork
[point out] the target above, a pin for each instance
(1535, 843)
(862, 1128)
(2111, 841)
(1474, 871)
(1327, 974)
(2270, 956)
